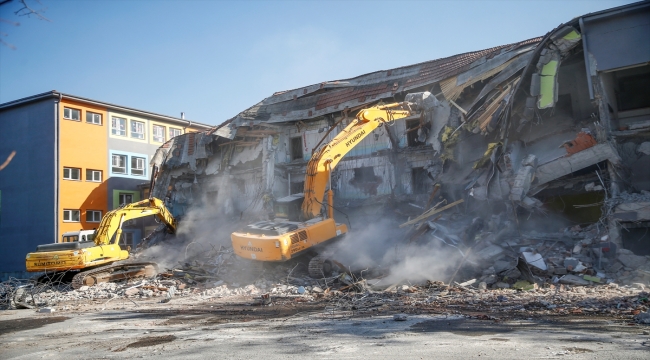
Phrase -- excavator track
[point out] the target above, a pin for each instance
(114, 272)
(320, 266)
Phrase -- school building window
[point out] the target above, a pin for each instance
(93, 118)
(93, 216)
(158, 133)
(174, 132)
(118, 164)
(137, 129)
(71, 114)
(137, 166)
(93, 175)
(71, 215)
(71, 173)
(118, 126)
(124, 198)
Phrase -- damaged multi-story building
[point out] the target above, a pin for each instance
(554, 127)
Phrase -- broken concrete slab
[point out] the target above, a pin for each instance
(502, 265)
(573, 280)
(566, 165)
(523, 178)
(535, 260)
(637, 211)
(491, 252)
(632, 261)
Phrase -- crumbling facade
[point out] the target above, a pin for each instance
(548, 129)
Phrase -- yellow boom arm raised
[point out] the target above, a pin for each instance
(112, 222)
(328, 156)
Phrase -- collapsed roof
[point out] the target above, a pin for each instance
(313, 101)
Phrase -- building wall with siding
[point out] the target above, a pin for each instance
(82, 145)
(27, 184)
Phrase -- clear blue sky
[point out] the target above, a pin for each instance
(213, 59)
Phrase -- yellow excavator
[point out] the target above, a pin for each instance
(301, 224)
(91, 262)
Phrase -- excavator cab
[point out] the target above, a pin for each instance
(289, 207)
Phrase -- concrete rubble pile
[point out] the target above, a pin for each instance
(576, 256)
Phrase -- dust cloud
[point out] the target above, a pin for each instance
(202, 229)
(385, 247)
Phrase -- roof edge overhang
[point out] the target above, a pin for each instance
(615, 10)
(57, 94)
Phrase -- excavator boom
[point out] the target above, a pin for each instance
(327, 157)
(112, 222)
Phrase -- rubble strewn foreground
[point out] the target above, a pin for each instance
(563, 288)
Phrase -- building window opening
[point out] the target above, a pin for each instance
(174, 132)
(366, 180)
(159, 133)
(420, 180)
(137, 166)
(125, 199)
(412, 127)
(296, 148)
(137, 129)
(71, 173)
(633, 92)
(93, 216)
(93, 118)
(71, 215)
(297, 187)
(71, 114)
(93, 175)
(118, 164)
(118, 126)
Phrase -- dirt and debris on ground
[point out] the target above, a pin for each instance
(491, 271)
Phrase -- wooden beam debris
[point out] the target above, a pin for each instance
(430, 213)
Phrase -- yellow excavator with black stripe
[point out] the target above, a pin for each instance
(302, 224)
(99, 260)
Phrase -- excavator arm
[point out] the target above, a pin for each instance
(112, 222)
(328, 156)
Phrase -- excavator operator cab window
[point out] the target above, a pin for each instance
(71, 238)
(282, 210)
(289, 207)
